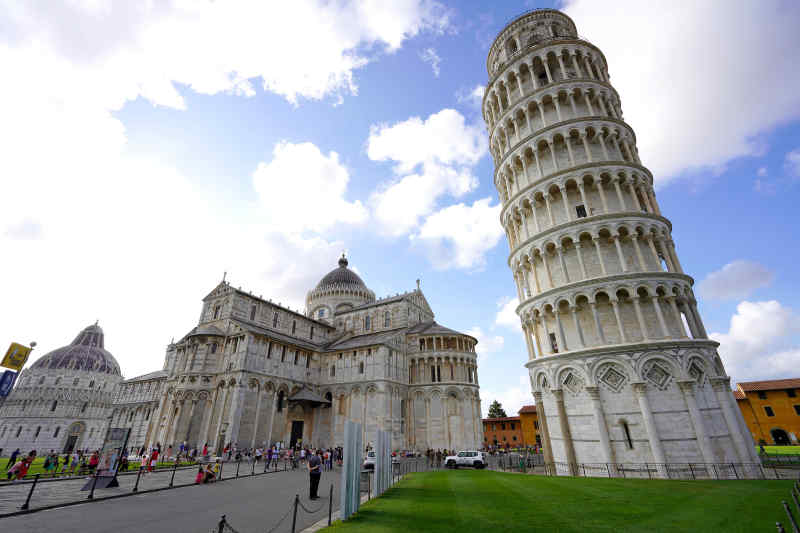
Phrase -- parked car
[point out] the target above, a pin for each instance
(369, 462)
(466, 458)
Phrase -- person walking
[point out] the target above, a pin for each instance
(314, 475)
(13, 459)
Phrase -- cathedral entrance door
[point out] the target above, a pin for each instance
(73, 434)
(297, 432)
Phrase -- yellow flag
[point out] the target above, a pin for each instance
(16, 356)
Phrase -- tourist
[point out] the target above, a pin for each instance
(169, 453)
(145, 461)
(209, 474)
(314, 475)
(94, 460)
(20, 469)
(200, 477)
(258, 455)
(205, 451)
(153, 460)
(217, 468)
(123, 463)
(13, 459)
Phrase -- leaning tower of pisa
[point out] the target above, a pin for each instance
(620, 364)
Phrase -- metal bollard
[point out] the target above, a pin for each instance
(266, 465)
(253, 471)
(94, 482)
(138, 475)
(221, 526)
(238, 464)
(330, 504)
(30, 493)
(294, 518)
(221, 464)
(172, 479)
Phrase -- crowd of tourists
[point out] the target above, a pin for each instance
(77, 462)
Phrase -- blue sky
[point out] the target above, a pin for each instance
(145, 150)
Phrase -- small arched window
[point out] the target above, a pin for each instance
(386, 319)
(294, 326)
(91, 384)
(367, 323)
(275, 320)
(361, 367)
(54, 405)
(329, 397)
(41, 380)
(55, 434)
(333, 371)
(280, 401)
(38, 430)
(58, 380)
(253, 312)
(19, 430)
(84, 406)
(75, 382)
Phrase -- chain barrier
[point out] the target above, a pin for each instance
(284, 517)
(309, 511)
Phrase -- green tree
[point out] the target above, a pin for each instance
(496, 410)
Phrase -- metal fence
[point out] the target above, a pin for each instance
(795, 491)
(39, 495)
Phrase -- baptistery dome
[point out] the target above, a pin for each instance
(342, 277)
(85, 353)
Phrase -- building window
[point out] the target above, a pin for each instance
(294, 326)
(38, 429)
(553, 343)
(503, 426)
(769, 411)
(789, 392)
(514, 438)
(762, 395)
(386, 319)
(58, 380)
(91, 384)
(213, 347)
(308, 360)
(75, 382)
(216, 312)
(321, 313)
(581, 211)
(311, 335)
(275, 320)
(367, 323)
(41, 380)
(283, 354)
(535, 424)
(280, 401)
(19, 430)
(512, 426)
(796, 409)
(54, 405)
(333, 371)
(296, 357)
(628, 440)
(84, 406)
(361, 367)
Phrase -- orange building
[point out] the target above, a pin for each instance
(502, 432)
(530, 426)
(771, 409)
(513, 431)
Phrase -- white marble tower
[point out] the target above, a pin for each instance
(620, 364)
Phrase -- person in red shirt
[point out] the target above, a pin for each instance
(153, 460)
(94, 460)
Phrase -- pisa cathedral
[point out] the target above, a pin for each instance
(253, 372)
(620, 364)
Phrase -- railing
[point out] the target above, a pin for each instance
(16, 498)
(795, 490)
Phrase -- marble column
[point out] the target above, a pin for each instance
(566, 434)
(650, 426)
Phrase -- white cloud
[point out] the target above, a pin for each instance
(735, 280)
(458, 236)
(302, 171)
(511, 397)
(102, 233)
(759, 342)
(762, 172)
(431, 158)
(507, 314)
(429, 55)
(487, 343)
(694, 71)
(793, 161)
(472, 97)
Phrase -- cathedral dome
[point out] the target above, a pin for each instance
(342, 277)
(85, 353)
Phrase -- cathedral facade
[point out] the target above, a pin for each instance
(253, 373)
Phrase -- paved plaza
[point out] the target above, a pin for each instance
(252, 504)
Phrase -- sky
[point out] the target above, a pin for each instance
(146, 148)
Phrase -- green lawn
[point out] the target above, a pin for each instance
(486, 501)
(37, 466)
(781, 450)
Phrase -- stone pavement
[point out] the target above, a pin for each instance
(251, 505)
